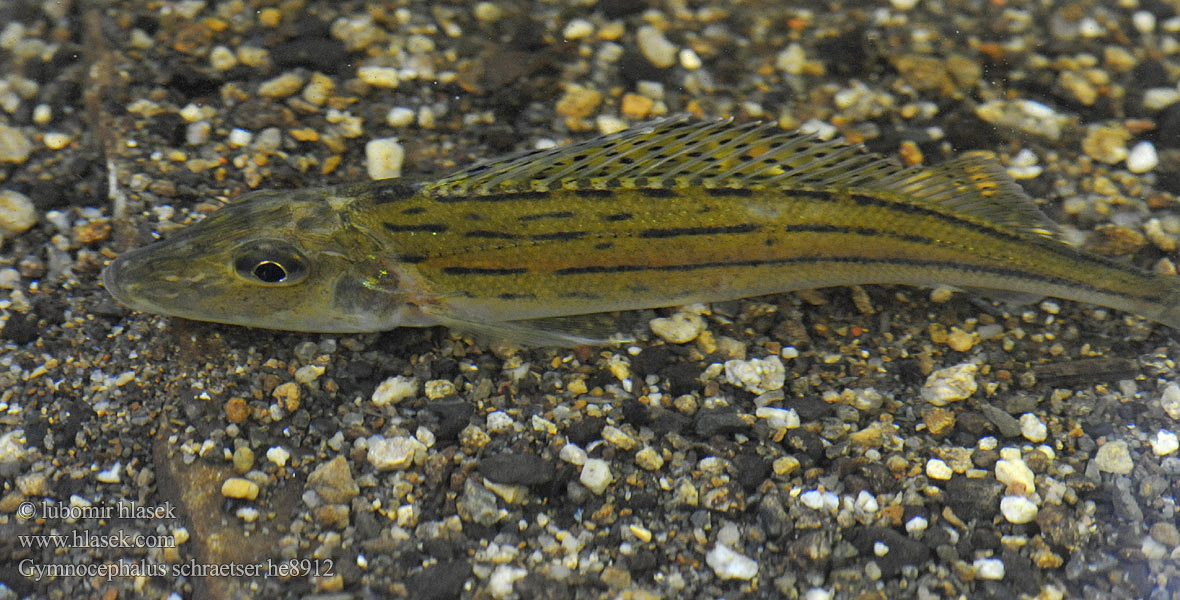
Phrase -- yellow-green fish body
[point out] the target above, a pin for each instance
(668, 213)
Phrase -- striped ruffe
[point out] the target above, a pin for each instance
(671, 212)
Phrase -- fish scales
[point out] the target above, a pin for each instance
(669, 213)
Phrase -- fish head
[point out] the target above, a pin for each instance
(275, 260)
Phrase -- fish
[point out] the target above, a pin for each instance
(667, 213)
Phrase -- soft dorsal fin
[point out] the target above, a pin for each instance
(677, 152)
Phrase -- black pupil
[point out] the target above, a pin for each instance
(270, 272)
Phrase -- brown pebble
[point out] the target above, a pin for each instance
(237, 411)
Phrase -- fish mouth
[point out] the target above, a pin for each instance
(119, 278)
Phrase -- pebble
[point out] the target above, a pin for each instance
(649, 459)
(57, 141)
(383, 158)
(1026, 115)
(1166, 534)
(501, 580)
(778, 418)
(689, 59)
(573, 454)
(1170, 401)
(655, 47)
(792, 59)
(500, 422)
(916, 524)
(937, 468)
(333, 481)
(517, 469)
(243, 459)
(1160, 98)
(950, 384)
(903, 4)
(17, 213)
(400, 116)
(577, 29)
(596, 475)
(989, 568)
(1142, 158)
(111, 475)
(1032, 428)
(278, 455)
(680, 328)
(383, 77)
(1164, 443)
(1152, 549)
(222, 58)
(393, 453)
(756, 376)
(394, 390)
(282, 86)
(618, 438)
(1106, 143)
(1018, 509)
(578, 102)
(14, 146)
(1015, 474)
(1114, 457)
(238, 487)
(728, 564)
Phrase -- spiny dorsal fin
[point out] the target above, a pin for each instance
(679, 152)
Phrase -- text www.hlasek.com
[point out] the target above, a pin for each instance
(86, 539)
(268, 568)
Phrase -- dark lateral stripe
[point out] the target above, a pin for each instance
(385, 193)
(865, 231)
(1057, 248)
(419, 228)
(723, 192)
(594, 193)
(678, 231)
(411, 258)
(657, 192)
(579, 295)
(414, 210)
(483, 271)
(815, 260)
(492, 235)
(557, 236)
(565, 214)
(493, 197)
(616, 217)
(510, 296)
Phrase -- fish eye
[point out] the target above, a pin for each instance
(270, 262)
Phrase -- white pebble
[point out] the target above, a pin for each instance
(1142, 158)
(394, 390)
(1170, 401)
(400, 116)
(500, 422)
(756, 376)
(384, 158)
(17, 213)
(728, 564)
(866, 502)
(1114, 457)
(1143, 21)
(817, 594)
(1014, 472)
(222, 58)
(989, 568)
(950, 384)
(111, 475)
(56, 141)
(916, 524)
(1032, 428)
(501, 580)
(778, 418)
(278, 455)
(689, 59)
(1165, 442)
(393, 453)
(1018, 509)
(573, 454)
(791, 59)
(936, 468)
(903, 4)
(655, 47)
(577, 29)
(239, 137)
(596, 475)
(680, 328)
(1160, 98)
